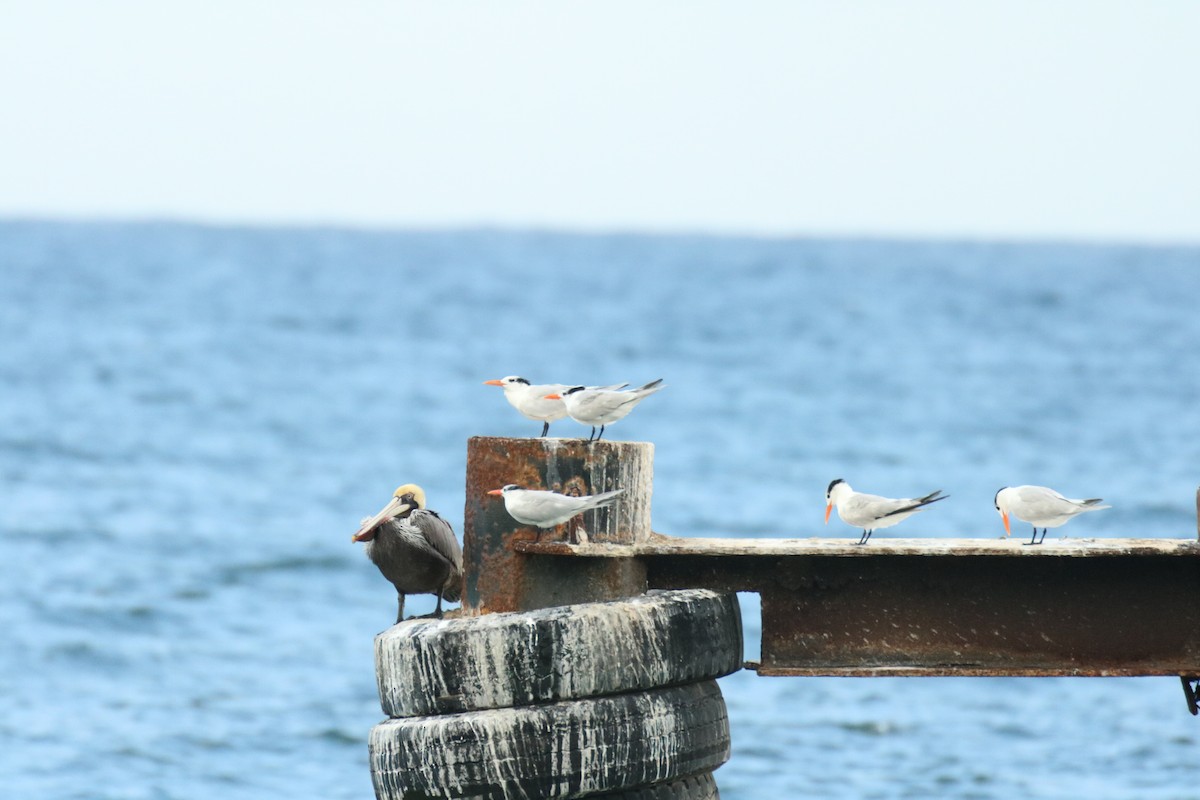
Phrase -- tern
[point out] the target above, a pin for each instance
(1041, 507)
(602, 406)
(869, 511)
(545, 509)
(531, 399)
(414, 548)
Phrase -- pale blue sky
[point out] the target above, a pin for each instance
(1076, 120)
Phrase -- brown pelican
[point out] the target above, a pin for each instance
(414, 548)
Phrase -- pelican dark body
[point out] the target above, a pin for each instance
(414, 548)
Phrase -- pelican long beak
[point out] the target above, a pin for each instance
(828, 508)
(493, 383)
(1007, 531)
(496, 492)
(367, 532)
(555, 396)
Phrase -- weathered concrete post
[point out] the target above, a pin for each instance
(499, 579)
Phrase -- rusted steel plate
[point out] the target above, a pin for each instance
(497, 577)
(946, 606)
(1133, 615)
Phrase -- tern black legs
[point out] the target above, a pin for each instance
(545, 429)
(593, 436)
(1034, 539)
(865, 536)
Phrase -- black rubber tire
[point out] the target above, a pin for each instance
(428, 667)
(693, 787)
(561, 750)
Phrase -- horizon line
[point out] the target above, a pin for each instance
(607, 230)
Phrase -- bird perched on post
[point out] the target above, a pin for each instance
(1040, 507)
(602, 405)
(869, 511)
(545, 509)
(532, 401)
(414, 548)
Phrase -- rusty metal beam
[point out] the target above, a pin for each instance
(944, 606)
(829, 606)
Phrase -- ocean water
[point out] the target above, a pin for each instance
(194, 419)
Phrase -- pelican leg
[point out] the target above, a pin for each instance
(545, 429)
(399, 608)
(438, 611)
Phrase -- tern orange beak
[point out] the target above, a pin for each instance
(493, 383)
(496, 492)
(553, 397)
(1004, 516)
(828, 508)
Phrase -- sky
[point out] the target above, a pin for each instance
(1014, 119)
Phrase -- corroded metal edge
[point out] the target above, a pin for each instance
(960, 671)
(660, 545)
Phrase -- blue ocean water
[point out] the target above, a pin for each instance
(194, 419)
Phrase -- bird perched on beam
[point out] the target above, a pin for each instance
(601, 405)
(546, 509)
(532, 399)
(1041, 507)
(870, 511)
(414, 548)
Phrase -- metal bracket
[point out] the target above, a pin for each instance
(1191, 688)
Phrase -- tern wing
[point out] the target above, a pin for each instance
(1040, 502)
(1090, 504)
(868, 508)
(544, 509)
(916, 504)
(864, 509)
(603, 499)
(600, 402)
(1037, 494)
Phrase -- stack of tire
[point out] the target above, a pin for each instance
(612, 700)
